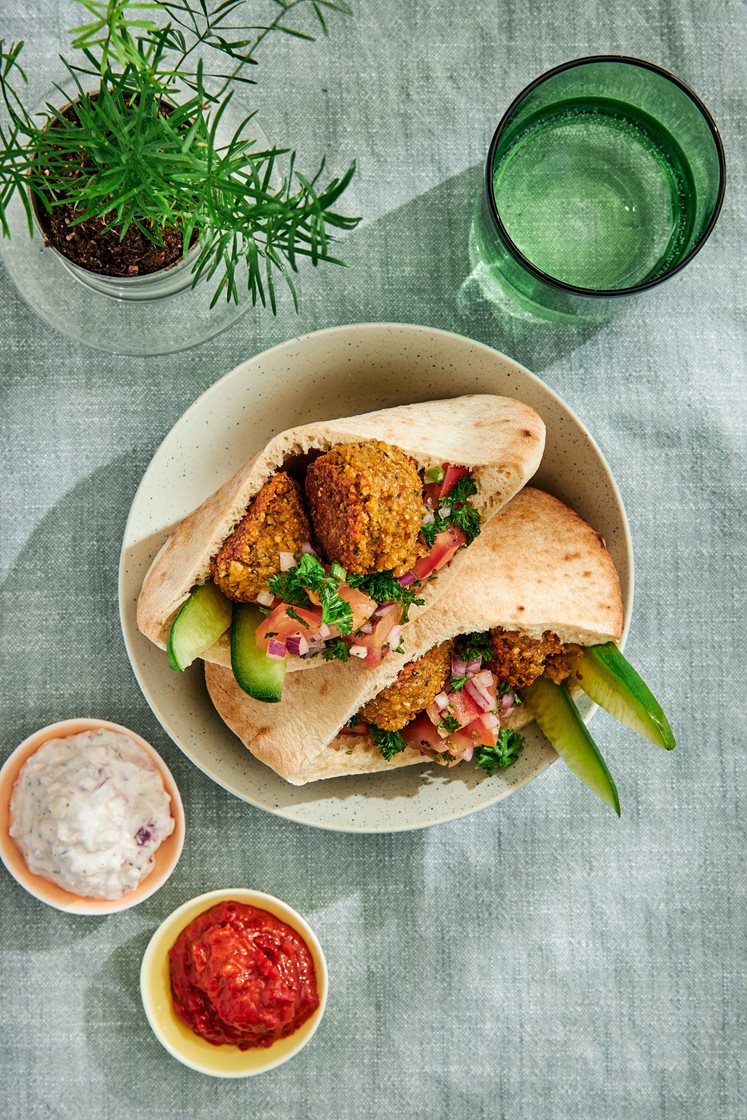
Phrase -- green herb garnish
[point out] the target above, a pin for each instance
(309, 575)
(473, 646)
(293, 613)
(335, 650)
(457, 683)
(449, 723)
(461, 513)
(388, 742)
(383, 587)
(503, 754)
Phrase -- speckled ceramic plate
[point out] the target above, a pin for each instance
(340, 372)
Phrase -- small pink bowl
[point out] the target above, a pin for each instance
(166, 857)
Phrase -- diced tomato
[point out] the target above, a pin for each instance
(362, 606)
(480, 735)
(446, 544)
(422, 735)
(451, 477)
(280, 625)
(359, 728)
(378, 638)
(463, 708)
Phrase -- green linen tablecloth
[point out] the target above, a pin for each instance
(539, 960)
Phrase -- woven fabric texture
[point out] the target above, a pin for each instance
(538, 961)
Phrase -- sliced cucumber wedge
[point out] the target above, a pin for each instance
(199, 623)
(558, 717)
(262, 677)
(612, 682)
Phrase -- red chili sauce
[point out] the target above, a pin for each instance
(240, 975)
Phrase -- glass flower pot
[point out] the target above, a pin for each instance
(157, 313)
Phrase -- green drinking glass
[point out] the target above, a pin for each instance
(605, 177)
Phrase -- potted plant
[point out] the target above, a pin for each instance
(133, 172)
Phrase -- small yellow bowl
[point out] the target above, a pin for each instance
(181, 1042)
(166, 856)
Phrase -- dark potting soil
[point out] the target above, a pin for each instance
(101, 250)
(91, 246)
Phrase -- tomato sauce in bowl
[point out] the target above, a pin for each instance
(239, 975)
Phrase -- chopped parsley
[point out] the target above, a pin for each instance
(383, 587)
(354, 720)
(309, 575)
(449, 723)
(293, 613)
(457, 683)
(388, 742)
(461, 512)
(503, 754)
(473, 646)
(335, 650)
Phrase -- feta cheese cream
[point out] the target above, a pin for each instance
(88, 812)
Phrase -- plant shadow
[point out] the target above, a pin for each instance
(419, 256)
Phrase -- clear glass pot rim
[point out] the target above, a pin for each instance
(497, 135)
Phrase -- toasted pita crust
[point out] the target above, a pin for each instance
(537, 566)
(501, 440)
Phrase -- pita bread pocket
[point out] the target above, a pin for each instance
(537, 567)
(496, 442)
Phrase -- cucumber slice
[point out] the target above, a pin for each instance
(612, 682)
(558, 717)
(198, 624)
(259, 675)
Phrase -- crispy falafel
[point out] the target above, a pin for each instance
(415, 688)
(519, 660)
(275, 522)
(366, 505)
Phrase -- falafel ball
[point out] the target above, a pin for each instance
(275, 522)
(366, 505)
(415, 688)
(519, 660)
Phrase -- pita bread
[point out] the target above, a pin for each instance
(501, 440)
(537, 566)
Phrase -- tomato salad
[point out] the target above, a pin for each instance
(458, 709)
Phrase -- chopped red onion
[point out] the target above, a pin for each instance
(491, 721)
(316, 645)
(394, 636)
(474, 666)
(359, 651)
(458, 667)
(429, 517)
(507, 703)
(265, 598)
(444, 511)
(367, 628)
(385, 608)
(324, 631)
(485, 678)
(407, 579)
(477, 693)
(434, 713)
(468, 752)
(276, 649)
(287, 561)
(441, 701)
(297, 644)
(307, 547)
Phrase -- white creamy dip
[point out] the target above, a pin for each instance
(88, 813)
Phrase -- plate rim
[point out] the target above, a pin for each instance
(197, 404)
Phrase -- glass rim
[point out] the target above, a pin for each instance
(574, 289)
